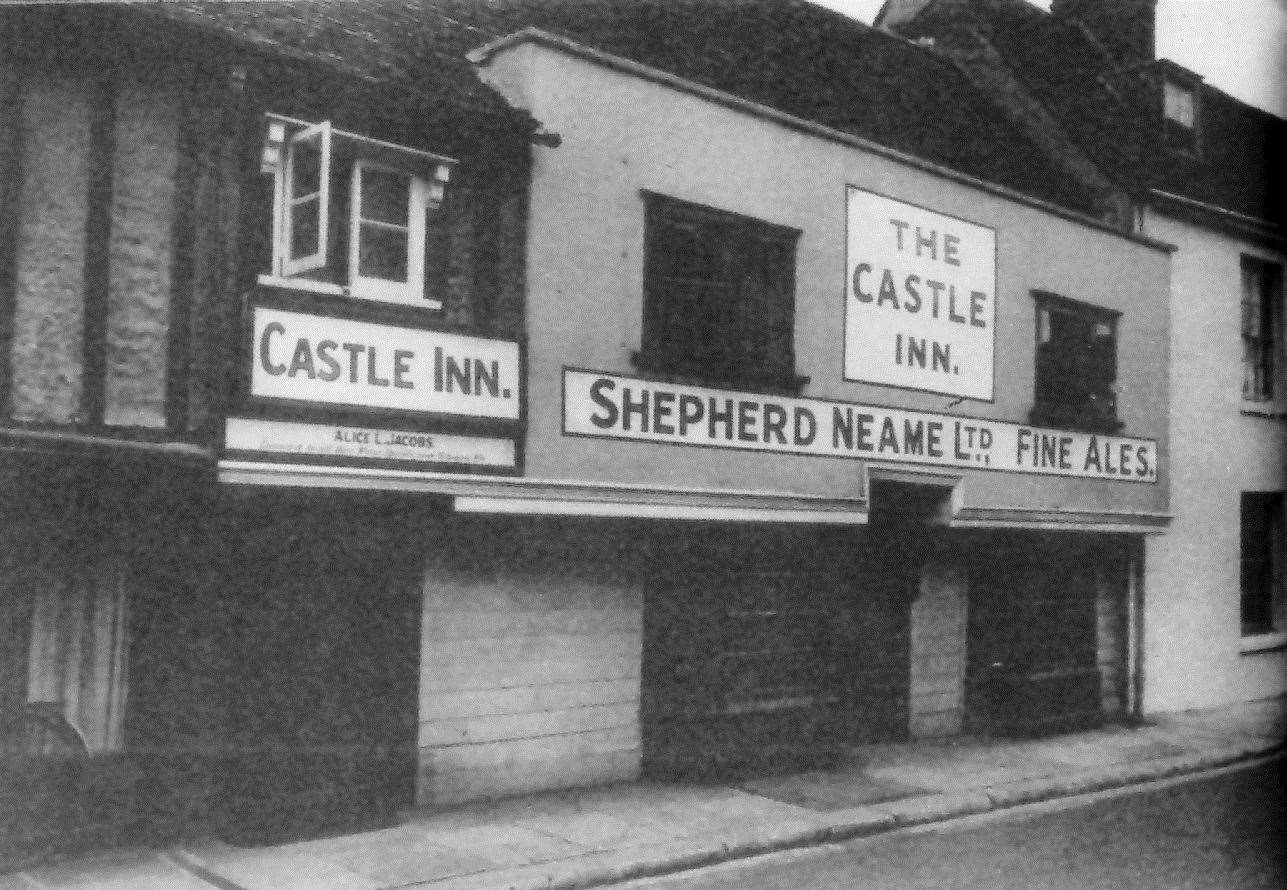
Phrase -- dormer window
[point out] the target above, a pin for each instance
(352, 214)
(1180, 116)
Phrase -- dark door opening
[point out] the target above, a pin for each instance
(324, 709)
(764, 651)
(1032, 635)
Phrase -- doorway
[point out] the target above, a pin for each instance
(764, 650)
(323, 687)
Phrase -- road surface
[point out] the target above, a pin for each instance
(1227, 830)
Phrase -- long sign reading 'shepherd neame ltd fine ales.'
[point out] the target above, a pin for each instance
(608, 406)
(338, 361)
(920, 298)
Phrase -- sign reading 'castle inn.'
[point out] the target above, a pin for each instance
(614, 407)
(434, 399)
(920, 301)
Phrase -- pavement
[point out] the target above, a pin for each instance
(600, 836)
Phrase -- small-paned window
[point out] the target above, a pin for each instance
(1180, 116)
(353, 215)
(719, 296)
(1076, 366)
(307, 197)
(1262, 312)
(1264, 605)
(387, 239)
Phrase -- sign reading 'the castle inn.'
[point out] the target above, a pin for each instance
(336, 390)
(920, 301)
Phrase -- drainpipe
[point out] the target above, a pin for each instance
(1135, 630)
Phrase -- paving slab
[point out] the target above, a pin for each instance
(236, 868)
(115, 870)
(589, 838)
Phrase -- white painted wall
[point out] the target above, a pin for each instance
(1192, 630)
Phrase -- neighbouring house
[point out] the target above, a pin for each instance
(449, 400)
(178, 654)
(1201, 171)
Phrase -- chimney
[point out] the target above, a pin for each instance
(1124, 27)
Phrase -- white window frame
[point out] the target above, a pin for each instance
(427, 173)
(286, 200)
(411, 290)
(1274, 297)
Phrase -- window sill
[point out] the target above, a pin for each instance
(663, 366)
(366, 292)
(304, 284)
(391, 292)
(1263, 643)
(1061, 418)
(1263, 409)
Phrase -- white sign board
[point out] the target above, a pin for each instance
(282, 438)
(920, 298)
(612, 407)
(335, 361)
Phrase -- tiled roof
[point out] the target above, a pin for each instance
(1241, 163)
(405, 43)
(1064, 66)
(789, 55)
(1114, 115)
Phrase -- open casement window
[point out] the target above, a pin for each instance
(355, 216)
(307, 200)
(1076, 366)
(719, 296)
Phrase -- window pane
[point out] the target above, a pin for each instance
(306, 168)
(382, 252)
(385, 195)
(1261, 296)
(304, 220)
(1178, 103)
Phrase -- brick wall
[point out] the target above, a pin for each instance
(938, 633)
(530, 660)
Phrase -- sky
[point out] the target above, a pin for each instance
(1239, 46)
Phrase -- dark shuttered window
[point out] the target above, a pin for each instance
(1076, 366)
(1263, 551)
(719, 296)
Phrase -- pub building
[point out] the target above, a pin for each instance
(841, 425)
(576, 409)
